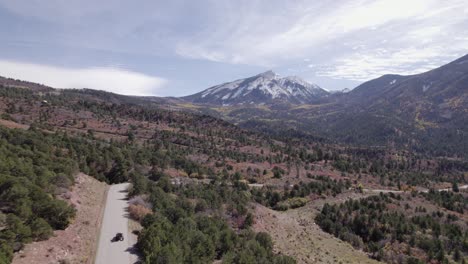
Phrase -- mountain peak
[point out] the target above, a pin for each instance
(268, 74)
(264, 88)
(294, 78)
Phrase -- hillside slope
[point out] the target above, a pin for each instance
(199, 174)
(427, 112)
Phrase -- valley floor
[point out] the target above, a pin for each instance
(77, 243)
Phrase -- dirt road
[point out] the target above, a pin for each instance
(115, 221)
(421, 191)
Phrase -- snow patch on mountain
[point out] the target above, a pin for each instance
(426, 87)
(259, 89)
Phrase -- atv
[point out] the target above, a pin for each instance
(118, 237)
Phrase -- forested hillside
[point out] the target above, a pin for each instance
(32, 167)
(424, 113)
(393, 233)
(195, 177)
(63, 133)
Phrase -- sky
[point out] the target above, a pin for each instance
(176, 48)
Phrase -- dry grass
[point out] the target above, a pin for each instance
(11, 124)
(295, 234)
(138, 212)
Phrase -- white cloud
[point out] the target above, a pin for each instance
(265, 38)
(374, 63)
(101, 78)
(357, 39)
(414, 49)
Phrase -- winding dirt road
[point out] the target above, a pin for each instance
(115, 221)
(421, 191)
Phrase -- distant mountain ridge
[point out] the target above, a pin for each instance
(264, 88)
(442, 83)
(10, 82)
(421, 112)
(426, 111)
(434, 98)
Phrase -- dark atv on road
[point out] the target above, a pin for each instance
(118, 237)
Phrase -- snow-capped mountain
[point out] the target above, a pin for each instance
(263, 88)
(343, 91)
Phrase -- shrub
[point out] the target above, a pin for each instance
(138, 212)
(139, 200)
(40, 229)
(249, 221)
(297, 202)
(265, 240)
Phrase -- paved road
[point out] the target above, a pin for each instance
(115, 221)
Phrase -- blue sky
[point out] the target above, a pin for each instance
(174, 48)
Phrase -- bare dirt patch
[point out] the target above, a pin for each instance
(11, 124)
(295, 233)
(77, 243)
